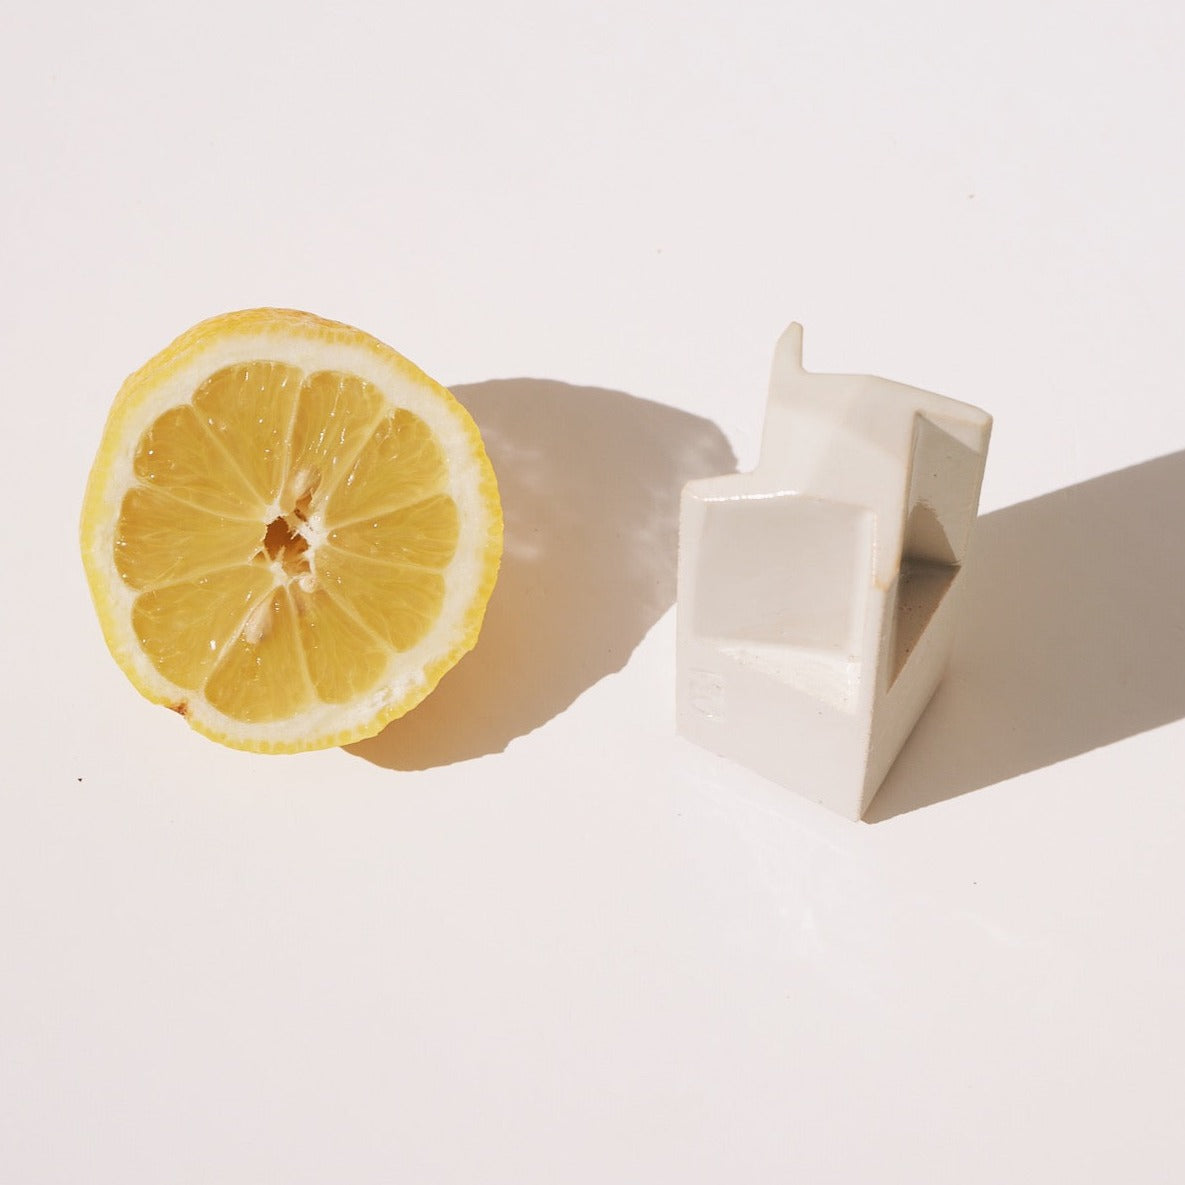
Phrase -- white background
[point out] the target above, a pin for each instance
(534, 936)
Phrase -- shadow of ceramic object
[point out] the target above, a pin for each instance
(1072, 637)
(590, 483)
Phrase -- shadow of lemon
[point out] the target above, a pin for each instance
(590, 482)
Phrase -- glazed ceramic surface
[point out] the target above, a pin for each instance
(818, 594)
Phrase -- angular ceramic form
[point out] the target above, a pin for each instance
(818, 594)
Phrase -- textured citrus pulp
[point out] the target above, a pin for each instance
(290, 532)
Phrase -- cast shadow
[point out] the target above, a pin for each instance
(1073, 636)
(590, 483)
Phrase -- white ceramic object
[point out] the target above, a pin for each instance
(818, 594)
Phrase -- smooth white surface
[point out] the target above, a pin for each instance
(589, 951)
(818, 595)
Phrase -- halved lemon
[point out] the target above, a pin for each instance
(290, 532)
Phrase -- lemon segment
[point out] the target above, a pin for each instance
(423, 534)
(344, 658)
(399, 464)
(336, 414)
(261, 676)
(248, 410)
(160, 540)
(185, 627)
(178, 456)
(395, 603)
